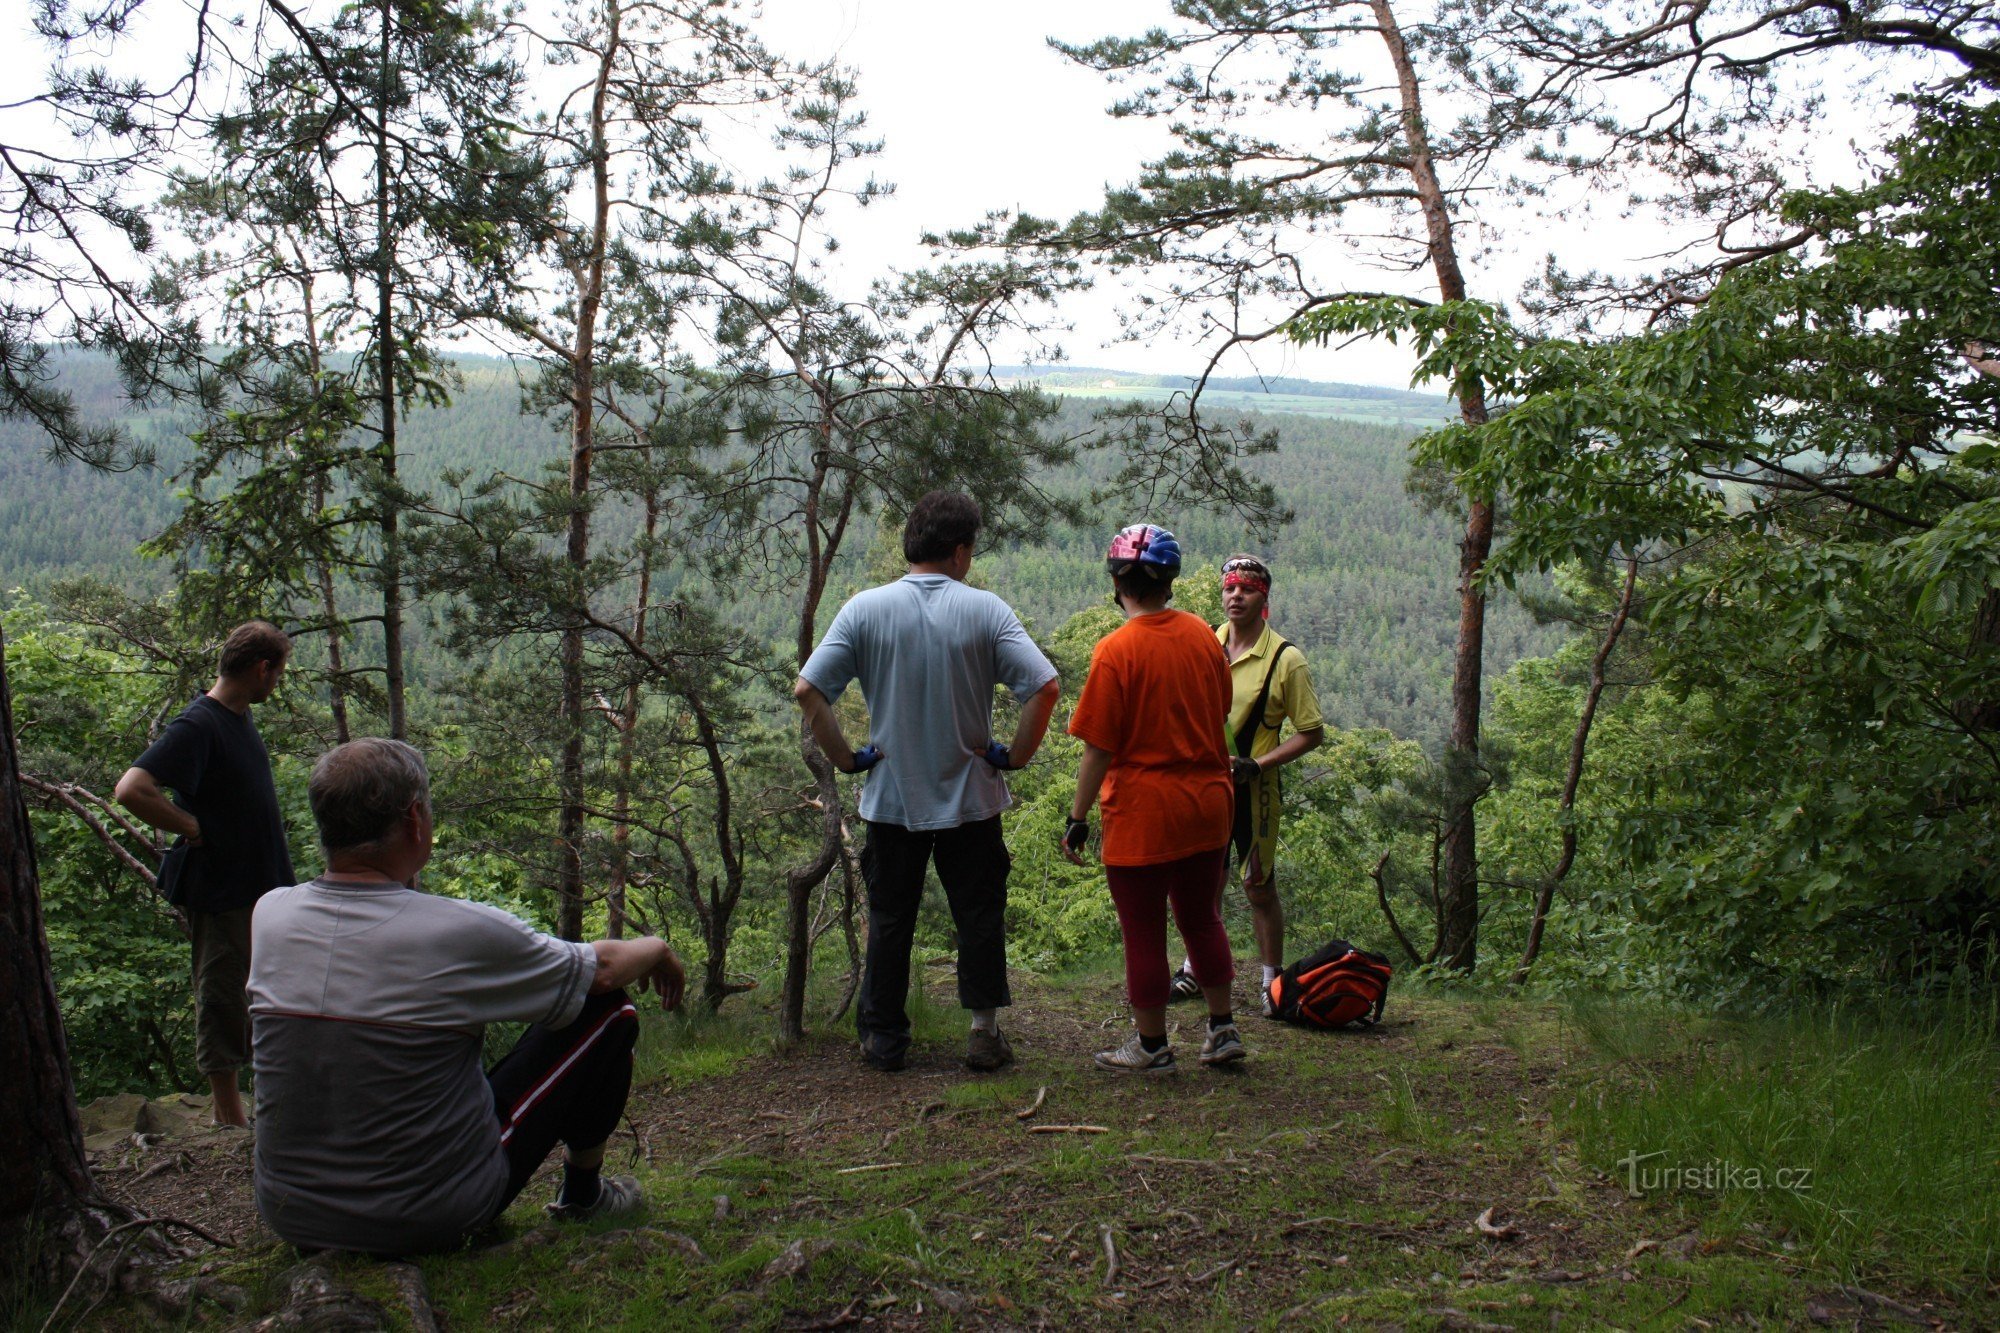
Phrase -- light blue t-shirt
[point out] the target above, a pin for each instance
(928, 651)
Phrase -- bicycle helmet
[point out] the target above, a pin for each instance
(1147, 548)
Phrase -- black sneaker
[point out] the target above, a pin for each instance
(888, 1064)
(1183, 986)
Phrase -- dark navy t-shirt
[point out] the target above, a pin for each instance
(215, 763)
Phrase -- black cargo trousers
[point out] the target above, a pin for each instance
(972, 864)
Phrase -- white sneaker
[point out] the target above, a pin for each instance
(1222, 1046)
(1134, 1058)
(616, 1196)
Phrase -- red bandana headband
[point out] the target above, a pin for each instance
(1243, 578)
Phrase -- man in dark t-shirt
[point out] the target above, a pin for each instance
(231, 847)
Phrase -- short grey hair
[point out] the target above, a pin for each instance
(361, 789)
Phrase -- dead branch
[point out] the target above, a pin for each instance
(1567, 806)
(1382, 897)
(1028, 1112)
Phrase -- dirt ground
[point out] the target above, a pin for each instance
(1408, 1176)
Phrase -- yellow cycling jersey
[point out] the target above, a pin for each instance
(1291, 696)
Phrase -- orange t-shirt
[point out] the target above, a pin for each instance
(1157, 698)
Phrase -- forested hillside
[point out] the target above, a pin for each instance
(1365, 572)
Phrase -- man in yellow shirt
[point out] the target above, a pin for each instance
(1271, 685)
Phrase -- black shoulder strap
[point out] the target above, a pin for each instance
(1246, 735)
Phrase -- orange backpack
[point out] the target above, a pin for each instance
(1336, 986)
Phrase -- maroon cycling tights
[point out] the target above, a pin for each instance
(1193, 885)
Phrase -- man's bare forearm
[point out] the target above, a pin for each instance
(1298, 743)
(1034, 722)
(140, 793)
(824, 725)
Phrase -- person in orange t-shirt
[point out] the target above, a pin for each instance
(1151, 720)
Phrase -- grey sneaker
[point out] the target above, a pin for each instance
(1223, 1045)
(616, 1196)
(1134, 1058)
(987, 1049)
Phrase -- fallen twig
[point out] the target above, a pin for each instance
(1041, 1095)
(1067, 1129)
(1217, 1271)
(1497, 1230)
(1005, 1169)
(1308, 1223)
(872, 1166)
(1304, 1129)
(1110, 1255)
(178, 1162)
(841, 1320)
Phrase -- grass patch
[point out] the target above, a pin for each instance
(695, 1044)
(1860, 1141)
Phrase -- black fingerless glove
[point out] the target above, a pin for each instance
(1244, 771)
(1076, 833)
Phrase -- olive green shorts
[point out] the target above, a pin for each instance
(221, 1006)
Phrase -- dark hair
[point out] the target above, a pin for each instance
(942, 522)
(250, 643)
(359, 790)
(1140, 585)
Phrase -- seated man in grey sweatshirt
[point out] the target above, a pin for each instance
(377, 1129)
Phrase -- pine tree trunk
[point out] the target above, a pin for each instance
(628, 736)
(45, 1184)
(1458, 895)
(336, 667)
(582, 357)
(801, 880)
(385, 338)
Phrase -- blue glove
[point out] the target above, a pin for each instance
(866, 758)
(998, 755)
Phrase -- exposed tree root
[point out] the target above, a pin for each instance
(108, 1251)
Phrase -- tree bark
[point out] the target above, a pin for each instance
(1574, 775)
(582, 358)
(385, 338)
(628, 729)
(1458, 916)
(801, 880)
(45, 1183)
(336, 667)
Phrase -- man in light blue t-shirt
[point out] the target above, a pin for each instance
(928, 651)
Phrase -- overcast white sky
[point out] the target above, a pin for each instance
(979, 113)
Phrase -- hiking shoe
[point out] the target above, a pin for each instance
(1265, 1006)
(887, 1064)
(1183, 986)
(987, 1050)
(1222, 1045)
(616, 1196)
(1134, 1058)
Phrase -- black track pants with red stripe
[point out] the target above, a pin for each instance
(564, 1085)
